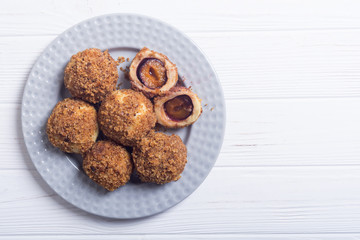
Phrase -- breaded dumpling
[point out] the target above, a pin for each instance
(108, 164)
(91, 74)
(159, 158)
(72, 126)
(126, 116)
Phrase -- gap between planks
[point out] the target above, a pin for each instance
(228, 236)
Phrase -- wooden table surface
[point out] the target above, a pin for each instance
(289, 167)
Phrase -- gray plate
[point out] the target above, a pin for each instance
(123, 35)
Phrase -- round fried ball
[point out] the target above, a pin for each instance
(159, 158)
(91, 75)
(108, 164)
(72, 126)
(125, 116)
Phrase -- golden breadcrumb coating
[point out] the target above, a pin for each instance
(108, 164)
(125, 116)
(91, 75)
(159, 158)
(72, 126)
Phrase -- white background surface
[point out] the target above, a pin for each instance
(290, 164)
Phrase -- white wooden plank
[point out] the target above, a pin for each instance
(285, 64)
(296, 132)
(277, 200)
(350, 236)
(18, 55)
(51, 17)
(249, 65)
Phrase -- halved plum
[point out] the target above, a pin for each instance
(178, 108)
(152, 73)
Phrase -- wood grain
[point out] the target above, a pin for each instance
(230, 236)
